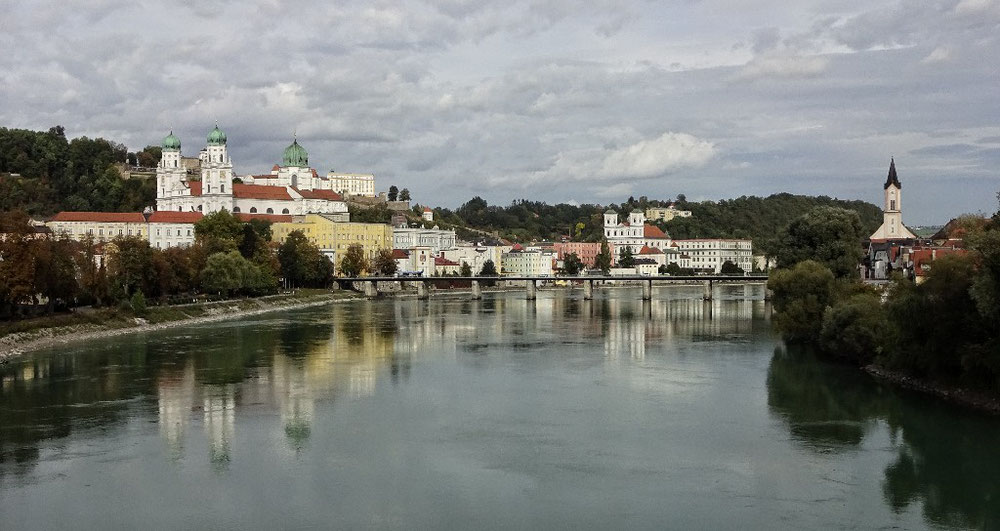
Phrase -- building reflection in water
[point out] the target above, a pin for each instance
(219, 414)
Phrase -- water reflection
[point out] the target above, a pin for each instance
(946, 458)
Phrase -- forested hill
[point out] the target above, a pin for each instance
(757, 218)
(44, 172)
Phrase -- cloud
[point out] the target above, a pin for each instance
(657, 157)
(784, 66)
(940, 54)
(972, 7)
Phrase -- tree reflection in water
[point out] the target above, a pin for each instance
(946, 457)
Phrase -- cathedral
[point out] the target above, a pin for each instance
(892, 211)
(292, 188)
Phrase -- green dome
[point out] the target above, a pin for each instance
(171, 143)
(295, 155)
(216, 137)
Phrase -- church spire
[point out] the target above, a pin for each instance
(892, 178)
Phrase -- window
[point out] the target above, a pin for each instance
(236, 210)
(178, 232)
(892, 205)
(189, 232)
(270, 211)
(199, 208)
(253, 210)
(222, 188)
(284, 211)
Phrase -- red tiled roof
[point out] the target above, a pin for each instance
(439, 261)
(427, 209)
(275, 168)
(517, 247)
(273, 218)
(652, 231)
(256, 191)
(195, 187)
(105, 217)
(314, 173)
(400, 253)
(166, 216)
(329, 195)
(649, 250)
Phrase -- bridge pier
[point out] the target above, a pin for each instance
(707, 293)
(588, 290)
(530, 286)
(371, 289)
(647, 290)
(422, 292)
(476, 292)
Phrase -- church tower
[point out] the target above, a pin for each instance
(892, 210)
(170, 173)
(216, 174)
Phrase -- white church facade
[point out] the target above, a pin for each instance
(892, 211)
(292, 188)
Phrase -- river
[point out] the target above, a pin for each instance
(502, 413)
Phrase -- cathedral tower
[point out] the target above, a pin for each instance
(892, 210)
(216, 174)
(170, 172)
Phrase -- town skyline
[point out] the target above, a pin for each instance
(541, 100)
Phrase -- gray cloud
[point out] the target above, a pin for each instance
(536, 98)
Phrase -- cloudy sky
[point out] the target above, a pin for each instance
(555, 100)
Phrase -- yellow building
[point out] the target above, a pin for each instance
(333, 237)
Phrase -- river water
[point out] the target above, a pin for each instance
(494, 414)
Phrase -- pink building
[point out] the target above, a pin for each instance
(587, 252)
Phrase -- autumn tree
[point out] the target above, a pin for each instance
(384, 264)
(354, 262)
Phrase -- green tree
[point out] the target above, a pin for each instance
(801, 295)
(625, 259)
(603, 260)
(572, 265)
(729, 268)
(831, 236)
(354, 262)
(404, 194)
(223, 273)
(855, 329)
(393, 193)
(302, 263)
(384, 264)
(131, 262)
(219, 232)
(489, 270)
(466, 270)
(55, 271)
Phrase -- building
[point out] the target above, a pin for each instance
(892, 211)
(708, 255)
(475, 256)
(443, 266)
(409, 237)
(634, 233)
(352, 184)
(292, 188)
(428, 214)
(333, 236)
(172, 229)
(520, 262)
(101, 226)
(586, 251)
(415, 261)
(666, 214)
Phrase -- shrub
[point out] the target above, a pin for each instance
(855, 329)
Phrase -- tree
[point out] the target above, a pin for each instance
(17, 259)
(131, 266)
(489, 270)
(603, 260)
(404, 194)
(55, 271)
(801, 295)
(855, 329)
(729, 268)
(466, 270)
(384, 264)
(831, 236)
(393, 193)
(219, 232)
(354, 262)
(302, 263)
(625, 259)
(572, 265)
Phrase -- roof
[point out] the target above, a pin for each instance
(652, 231)
(275, 168)
(649, 250)
(105, 217)
(265, 176)
(400, 253)
(892, 178)
(647, 261)
(440, 261)
(273, 218)
(328, 195)
(167, 216)
(256, 191)
(195, 187)
(427, 209)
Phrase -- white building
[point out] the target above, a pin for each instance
(708, 255)
(667, 214)
(100, 226)
(356, 184)
(427, 215)
(436, 239)
(892, 212)
(634, 233)
(519, 262)
(415, 260)
(293, 188)
(172, 229)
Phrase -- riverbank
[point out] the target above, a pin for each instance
(978, 400)
(45, 332)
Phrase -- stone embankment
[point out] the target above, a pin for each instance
(964, 397)
(16, 344)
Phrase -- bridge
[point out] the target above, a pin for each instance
(370, 284)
